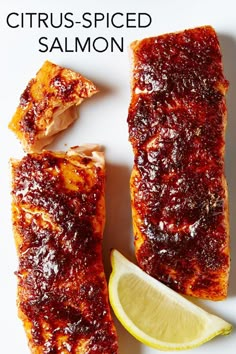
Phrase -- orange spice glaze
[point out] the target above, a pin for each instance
(58, 216)
(177, 120)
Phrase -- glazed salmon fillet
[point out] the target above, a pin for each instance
(177, 121)
(58, 217)
(48, 105)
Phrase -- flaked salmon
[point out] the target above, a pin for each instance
(48, 105)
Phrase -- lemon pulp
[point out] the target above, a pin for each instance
(145, 309)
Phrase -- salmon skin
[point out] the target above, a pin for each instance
(177, 121)
(58, 215)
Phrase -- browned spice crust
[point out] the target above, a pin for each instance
(177, 119)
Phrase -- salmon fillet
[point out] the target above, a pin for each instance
(177, 121)
(48, 105)
(58, 218)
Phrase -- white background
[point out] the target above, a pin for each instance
(103, 120)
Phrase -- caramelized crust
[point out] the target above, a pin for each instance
(48, 105)
(58, 219)
(177, 120)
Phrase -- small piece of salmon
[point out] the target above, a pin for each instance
(48, 105)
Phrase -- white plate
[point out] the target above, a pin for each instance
(103, 120)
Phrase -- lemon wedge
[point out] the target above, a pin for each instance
(156, 315)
